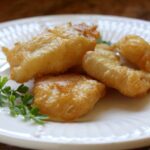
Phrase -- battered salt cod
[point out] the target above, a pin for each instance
(66, 97)
(105, 66)
(51, 52)
(136, 50)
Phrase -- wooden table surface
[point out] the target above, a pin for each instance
(15, 9)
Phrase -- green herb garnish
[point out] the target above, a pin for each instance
(103, 41)
(19, 102)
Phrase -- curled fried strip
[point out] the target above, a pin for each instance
(105, 66)
(136, 50)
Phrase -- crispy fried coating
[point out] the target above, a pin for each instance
(105, 66)
(66, 97)
(136, 50)
(53, 51)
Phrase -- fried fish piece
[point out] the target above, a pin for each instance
(66, 97)
(52, 52)
(105, 66)
(136, 50)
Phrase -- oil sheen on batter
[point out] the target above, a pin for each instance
(67, 97)
(53, 51)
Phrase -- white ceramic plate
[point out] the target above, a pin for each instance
(117, 122)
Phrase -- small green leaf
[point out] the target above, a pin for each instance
(27, 99)
(18, 95)
(28, 114)
(21, 109)
(13, 112)
(3, 81)
(22, 88)
(38, 121)
(42, 117)
(7, 90)
(12, 99)
(2, 101)
(34, 110)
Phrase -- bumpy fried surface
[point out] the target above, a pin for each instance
(51, 52)
(66, 97)
(105, 66)
(136, 50)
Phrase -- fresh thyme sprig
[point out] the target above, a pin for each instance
(100, 40)
(19, 102)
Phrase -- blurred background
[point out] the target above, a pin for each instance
(14, 9)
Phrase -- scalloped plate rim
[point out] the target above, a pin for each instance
(43, 18)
